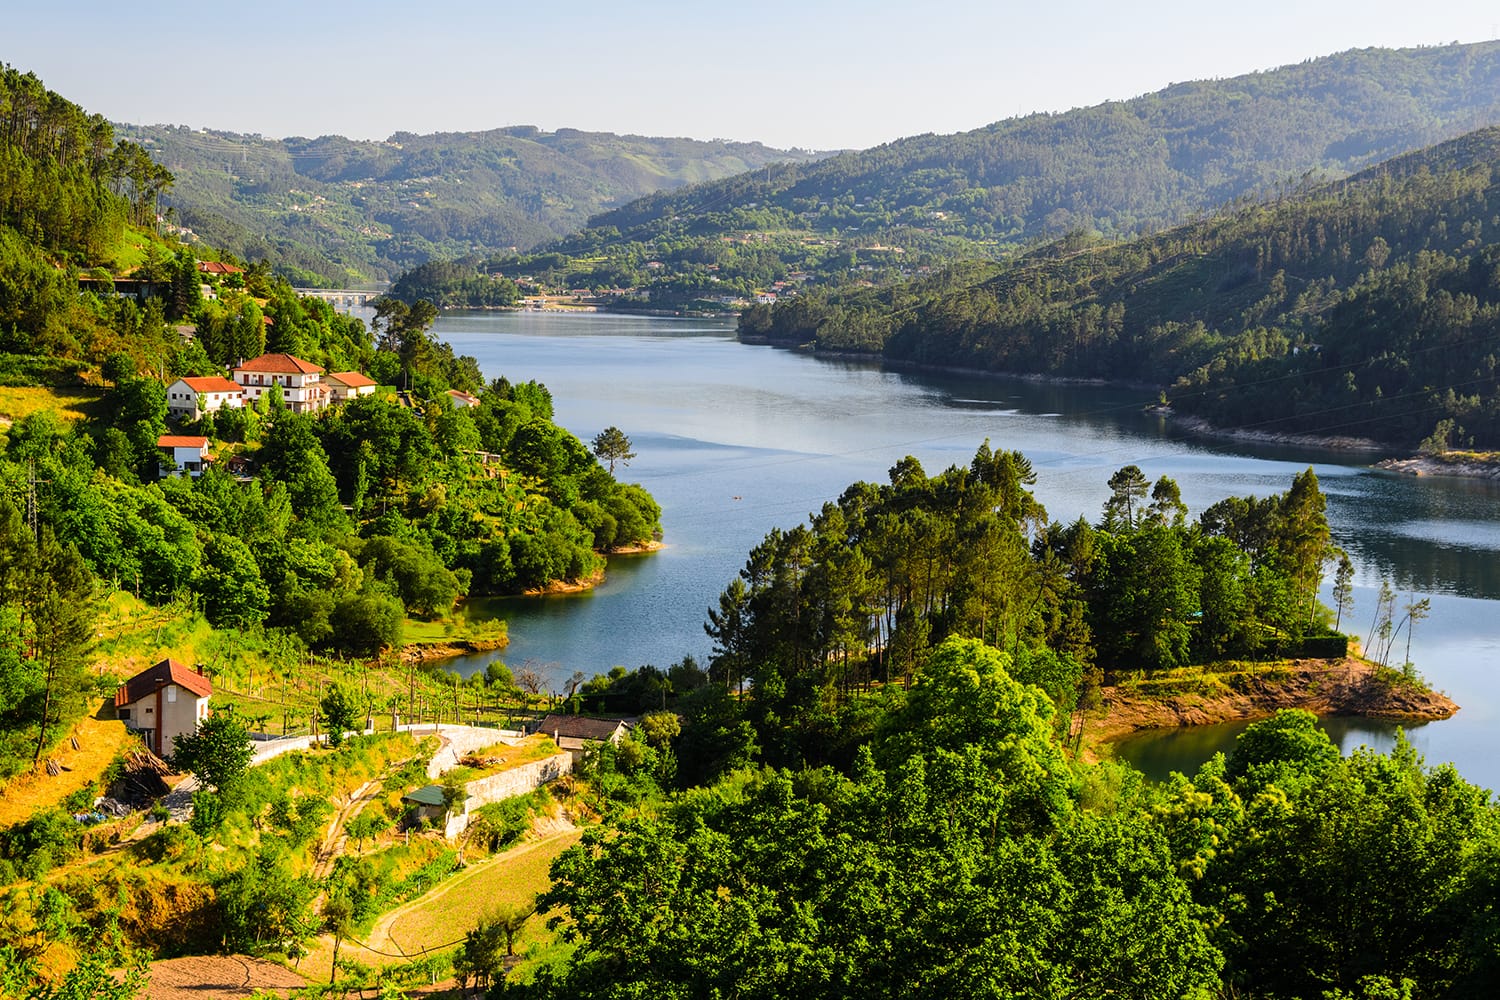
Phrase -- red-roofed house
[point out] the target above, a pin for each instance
(346, 385)
(189, 455)
(462, 400)
(217, 267)
(163, 702)
(301, 381)
(213, 393)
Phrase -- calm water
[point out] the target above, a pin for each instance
(735, 440)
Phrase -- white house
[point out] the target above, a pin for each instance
(213, 393)
(344, 386)
(462, 400)
(163, 702)
(189, 454)
(301, 381)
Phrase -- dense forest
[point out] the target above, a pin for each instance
(329, 530)
(338, 212)
(879, 783)
(1369, 303)
(1122, 166)
(897, 810)
(1114, 170)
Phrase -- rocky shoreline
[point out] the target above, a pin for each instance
(1204, 428)
(1443, 465)
(421, 652)
(1340, 687)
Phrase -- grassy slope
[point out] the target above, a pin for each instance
(438, 920)
(99, 743)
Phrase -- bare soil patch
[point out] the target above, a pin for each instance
(218, 977)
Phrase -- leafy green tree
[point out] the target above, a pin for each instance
(340, 713)
(610, 446)
(230, 585)
(54, 590)
(219, 752)
(1343, 589)
(1290, 738)
(1128, 489)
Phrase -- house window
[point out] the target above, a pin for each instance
(125, 714)
(172, 690)
(149, 711)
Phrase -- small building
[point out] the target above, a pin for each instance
(428, 803)
(462, 400)
(344, 386)
(301, 381)
(218, 268)
(574, 732)
(164, 702)
(190, 398)
(188, 454)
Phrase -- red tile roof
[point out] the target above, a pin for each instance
(213, 383)
(181, 441)
(166, 672)
(460, 394)
(215, 267)
(280, 364)
(353, 380)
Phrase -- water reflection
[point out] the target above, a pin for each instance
(736, 440)
(1159, 752)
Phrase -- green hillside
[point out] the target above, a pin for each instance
(1123, 168)
(336, 210)
(1370, 304)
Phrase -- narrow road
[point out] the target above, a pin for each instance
(336, 839)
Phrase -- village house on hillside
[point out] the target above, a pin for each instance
(190, 398)
(301, 381)
(574, 732)
(163, 702)
(462, 400)
(345, 386)
(188, 455)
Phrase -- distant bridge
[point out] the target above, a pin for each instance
(344, 299)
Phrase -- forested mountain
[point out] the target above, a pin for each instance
(336, 210)
(1124, 166)
(1370, 304)
(1118, 169)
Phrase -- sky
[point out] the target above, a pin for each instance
(813, 74)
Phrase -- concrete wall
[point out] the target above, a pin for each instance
(507, 785)
(462, 741)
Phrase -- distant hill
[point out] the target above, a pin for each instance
(339, 210)
(1124, 166)
(1119, 169)
(1366, 307)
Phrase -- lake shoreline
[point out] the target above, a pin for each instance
(1442, 465)
(1194, 425)
(447, 649)
(556, 588)
(1350, 686)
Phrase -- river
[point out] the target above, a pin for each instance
(734, 440)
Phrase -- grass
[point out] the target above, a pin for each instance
(442, 916)
(99, 743)
(437, 921)
(69, 405)
(455, 628)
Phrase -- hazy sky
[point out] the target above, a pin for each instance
(812, 73)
